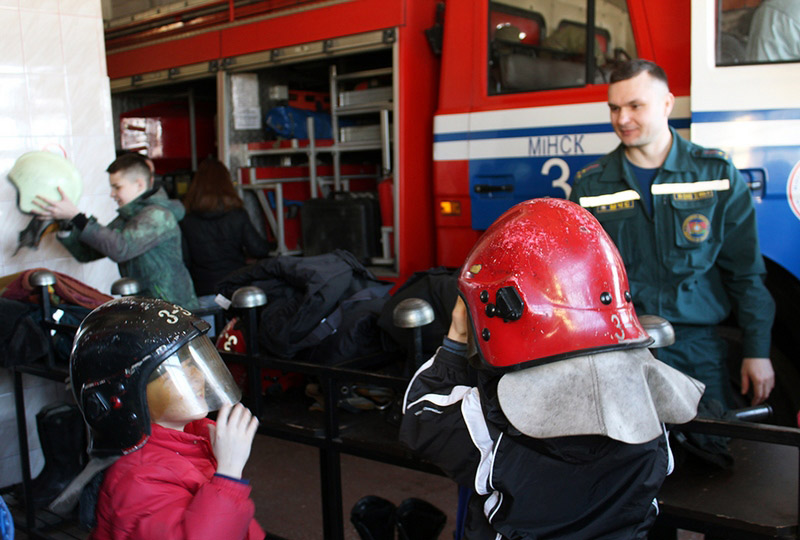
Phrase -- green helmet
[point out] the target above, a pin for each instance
(41, 173)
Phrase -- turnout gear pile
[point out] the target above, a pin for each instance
(23, 340)
(309, 298)
(437, 286)
(66, 290)
(568, 405)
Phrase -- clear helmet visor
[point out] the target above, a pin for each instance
(191, 383)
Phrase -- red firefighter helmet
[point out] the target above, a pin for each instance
(545, 282)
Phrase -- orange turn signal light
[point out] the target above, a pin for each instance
(450, 208)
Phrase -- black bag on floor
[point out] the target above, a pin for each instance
(419, 520)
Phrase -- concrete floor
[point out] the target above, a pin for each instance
(286, 488)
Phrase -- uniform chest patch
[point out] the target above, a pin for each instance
(696, 228)
(698, 196)
(614, 207)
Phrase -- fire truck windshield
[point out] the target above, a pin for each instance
(542, 45)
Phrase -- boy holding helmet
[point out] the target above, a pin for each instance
(560, 429)
(144, 239)
(145, 376)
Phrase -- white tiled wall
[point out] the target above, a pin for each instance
(54, 94)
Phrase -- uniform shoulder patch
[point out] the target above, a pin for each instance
(711, 153)
(594, 167)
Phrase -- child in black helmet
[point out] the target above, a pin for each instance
(145, 376)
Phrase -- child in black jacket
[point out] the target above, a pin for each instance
(544, 398)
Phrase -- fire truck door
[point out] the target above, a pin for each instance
(744, 101)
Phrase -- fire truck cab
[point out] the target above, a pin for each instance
(531, 119)
(534, 113)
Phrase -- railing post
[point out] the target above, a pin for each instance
(249, 299)
(125, 286)
(413, 313)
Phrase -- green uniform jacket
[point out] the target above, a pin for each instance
(697, 257)
(145, 241)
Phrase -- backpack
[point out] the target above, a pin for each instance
(358, 336)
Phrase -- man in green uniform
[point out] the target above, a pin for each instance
(144, 239)
(684, 222)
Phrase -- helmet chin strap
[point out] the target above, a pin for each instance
(31, 235)
(473, 355)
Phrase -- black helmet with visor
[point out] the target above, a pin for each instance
(129, 342)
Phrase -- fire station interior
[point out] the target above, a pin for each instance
(295, 184)
(310, 193)
(312, 147)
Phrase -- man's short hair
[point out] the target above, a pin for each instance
(632, 68)
(130, 164)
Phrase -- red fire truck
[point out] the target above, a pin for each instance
(454, 110)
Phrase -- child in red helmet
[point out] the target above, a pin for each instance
(543, 398)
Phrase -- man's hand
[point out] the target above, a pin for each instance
(459, 324)
(64, 209)
(232, 438)
(759, 372)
